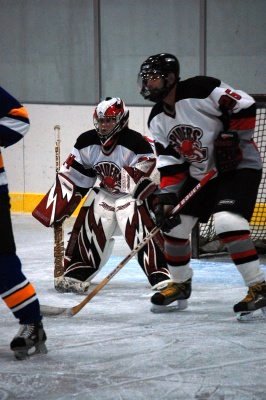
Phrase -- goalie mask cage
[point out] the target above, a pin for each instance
(204, 240)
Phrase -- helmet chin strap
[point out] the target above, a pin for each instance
(109, 144)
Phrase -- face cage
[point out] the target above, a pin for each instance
(105, 136)
(105, 139)
(154, 95)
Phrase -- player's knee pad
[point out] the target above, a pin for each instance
(183, 230)
(225, 221)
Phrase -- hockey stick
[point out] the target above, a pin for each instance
(58, 227)
(70, 312)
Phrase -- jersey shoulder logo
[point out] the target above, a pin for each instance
(186, 141)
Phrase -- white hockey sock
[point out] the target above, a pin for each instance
(181, 273)
(251, 272)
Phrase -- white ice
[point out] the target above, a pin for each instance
(116, 349)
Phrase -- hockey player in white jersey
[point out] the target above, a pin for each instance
(199, 124)
(105, 164)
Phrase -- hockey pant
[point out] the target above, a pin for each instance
(15, 289)
(91, 242)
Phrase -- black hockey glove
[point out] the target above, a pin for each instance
(162, 206)
(227, 151)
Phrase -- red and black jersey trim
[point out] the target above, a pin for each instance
(86, 172)
(198, 87)
(165, 151)
(134, 141)
(244, 119)
(128, 138)
(170, 170)
(88, 138)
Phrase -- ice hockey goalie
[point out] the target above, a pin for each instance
(105, 165)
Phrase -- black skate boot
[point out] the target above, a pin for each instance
(171, 292)
(254, 300)
(29, 340)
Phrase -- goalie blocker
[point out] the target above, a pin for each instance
(59, 203)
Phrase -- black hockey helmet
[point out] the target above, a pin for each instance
(158, 66)
(109, 118)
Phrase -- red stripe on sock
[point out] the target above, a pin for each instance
(243, 254)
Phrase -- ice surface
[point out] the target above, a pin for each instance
(116, 349)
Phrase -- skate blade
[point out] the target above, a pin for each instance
(258, 315)
(26, 353)
(179, 306)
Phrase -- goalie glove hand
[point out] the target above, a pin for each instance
(59, 203)
(144, 188)
(227, 151)
(162, 206)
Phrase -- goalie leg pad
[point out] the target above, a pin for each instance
(80, 220)
(94, 243)
(135, 223)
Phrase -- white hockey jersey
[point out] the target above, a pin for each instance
(184, 139)
(87, 161)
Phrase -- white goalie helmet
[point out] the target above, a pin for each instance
(110, 117)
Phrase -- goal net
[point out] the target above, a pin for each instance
(204, 239)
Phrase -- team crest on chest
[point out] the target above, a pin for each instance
(109, 175)
(185, 140)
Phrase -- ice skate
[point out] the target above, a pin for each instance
(65, 284)
(253, 306)
(29, 340)
(169, 293)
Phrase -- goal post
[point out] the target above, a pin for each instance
(203, 239)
